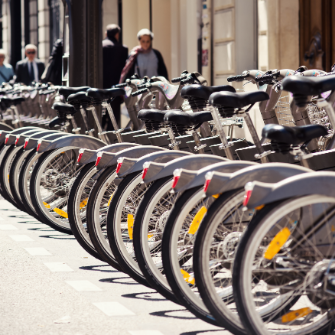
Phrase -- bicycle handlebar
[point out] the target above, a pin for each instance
(121, 85)
(267, 78)
(239, 77)
(139, 92)
(176, 80)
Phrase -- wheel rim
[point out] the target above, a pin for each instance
(307, 207)
(180, 234)
(53, 183)
(127, 205)
(101, 206)
(80, 203)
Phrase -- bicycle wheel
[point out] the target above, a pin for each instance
(177, 250)
(149, 226)
(14, 174)
(24, 182)
(50, 185)
(288, 251)
(77, 207)
(97, 207)
(5, 175)
(120, 220)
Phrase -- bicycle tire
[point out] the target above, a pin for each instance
(24, 183)
(239, 272)
(38, 201)
(184, 294)
(5, 175)
(76, 223)
(94, 224)
(143, 255)
(116, 243)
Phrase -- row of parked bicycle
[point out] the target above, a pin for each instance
(240, 233)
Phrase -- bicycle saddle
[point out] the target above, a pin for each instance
(293, 135)
(203, 92)
(188, 119)
(237, 100)
(152, 114)
(79, 99)
(101, 95)
(308, 85)
(66, 91)
(63, 108)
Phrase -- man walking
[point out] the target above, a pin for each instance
(31, 68)
(6, 70)
(114, 59)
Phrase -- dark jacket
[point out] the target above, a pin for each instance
(114, 60)
(22, 71)
(161, 70)
(53, 71)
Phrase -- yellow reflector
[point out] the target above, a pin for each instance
(259, 207)
(216, 195)
(46, 205)
(276, 244)
(130, 221)
(150, 235)
(197, 220)
(8, 177)
(110, 199)
(61, 212)
(83, 203)
(299, 313)
(188, 278)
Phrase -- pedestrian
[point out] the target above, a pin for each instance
(31, 68)
(53, 71)
(143, 59)
(114, 59)
(6, 70)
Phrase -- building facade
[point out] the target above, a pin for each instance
(216, 37)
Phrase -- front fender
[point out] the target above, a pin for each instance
(33, 141)
(191, 162)
(131, 165)
(320, 183)
(79, 141)
(190, 179)
(11, 138)
(266, 173)
(110, 159)
(90, 156)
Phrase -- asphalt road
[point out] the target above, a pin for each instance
(50, 285)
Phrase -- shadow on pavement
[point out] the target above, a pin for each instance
(119, 280)
(96, 268)
(165, 314)
(145, 296)
(58, 237)
(195, 332)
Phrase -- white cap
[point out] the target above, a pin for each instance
(145, 31)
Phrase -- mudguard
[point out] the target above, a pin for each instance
(89, 156)
(12, 138)
(33, 141)
(189, 179)
(4, 133)
(110, 159)
(19, 139)
(267, 173)
(131, 165)
(34, 135)
(190, 162)
(320, 183)
(79, 141)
